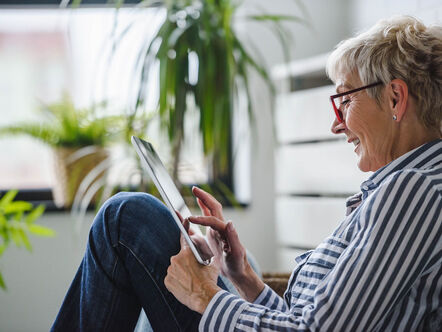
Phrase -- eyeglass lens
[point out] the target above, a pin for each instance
(338, 104)
(341, 99)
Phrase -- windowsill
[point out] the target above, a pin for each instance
(44, 196)
(36, 197)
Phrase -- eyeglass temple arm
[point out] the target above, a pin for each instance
(355, 90)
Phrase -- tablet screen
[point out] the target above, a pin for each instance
(164, 179)
(168, 190)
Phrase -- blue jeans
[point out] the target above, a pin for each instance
(130, 244)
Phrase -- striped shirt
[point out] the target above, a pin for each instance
(380, 270)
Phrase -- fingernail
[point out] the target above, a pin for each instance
(229, 226)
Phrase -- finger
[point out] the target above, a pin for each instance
(183, 222)
(233, 242)
(209, 201)
(210, 221)
(204, 209)
(186, 225)
(179, 216)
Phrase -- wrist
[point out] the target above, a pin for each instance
(208, 291)
(249, 284)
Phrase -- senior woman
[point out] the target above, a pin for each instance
(381, 268)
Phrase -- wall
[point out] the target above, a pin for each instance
(366, 13)
(256, 224)
(38, 281)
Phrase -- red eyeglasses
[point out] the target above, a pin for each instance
(337, 100)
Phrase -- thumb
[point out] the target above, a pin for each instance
(183, 241)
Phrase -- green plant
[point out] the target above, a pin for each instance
(64, 125)
(17, 220)
(204, 65)
(78, 137)
(125, 167)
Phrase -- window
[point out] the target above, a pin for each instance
(44, 52)
(34, 68)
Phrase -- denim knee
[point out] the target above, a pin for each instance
(132, 213)
(137, 200)
(126, 208)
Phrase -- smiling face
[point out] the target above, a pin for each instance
(367, 125)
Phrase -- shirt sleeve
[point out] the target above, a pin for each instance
(268, 298)
(399, 227)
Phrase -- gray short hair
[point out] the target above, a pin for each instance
(401, 47)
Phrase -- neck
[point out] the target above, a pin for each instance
(413, 138)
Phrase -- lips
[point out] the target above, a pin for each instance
(355, 142)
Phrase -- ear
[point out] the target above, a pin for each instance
(398, 98)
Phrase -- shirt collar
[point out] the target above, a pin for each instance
(425, 156)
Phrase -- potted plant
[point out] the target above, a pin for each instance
(17, 220)
(78, 138)
(199, 37)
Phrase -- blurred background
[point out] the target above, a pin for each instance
(77, 80)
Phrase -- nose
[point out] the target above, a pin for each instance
(337, 127)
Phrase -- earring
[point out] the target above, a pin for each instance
(394, 117)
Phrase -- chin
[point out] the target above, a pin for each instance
(364, 166)
(363, 169)
(367, 165)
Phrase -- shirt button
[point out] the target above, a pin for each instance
(365, 188)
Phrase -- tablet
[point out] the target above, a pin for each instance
(168, 191)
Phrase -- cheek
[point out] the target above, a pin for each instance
(355, 122)
(363, 124)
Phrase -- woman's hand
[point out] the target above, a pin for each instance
(229, 254)
(230, 257)
(191, 283)
(198, 240)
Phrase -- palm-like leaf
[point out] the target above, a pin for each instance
(205, 29)
(64, 125)
(202, 29)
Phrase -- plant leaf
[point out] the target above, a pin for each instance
(15, 236)
(18, 216)
(3, 221)
(276, 18)
(18, 206)
(2, 248)
(44, 133)
(7, 198)
(41, 230)
(2, 282)
(34, 214)
(24, 239)
(4, 233)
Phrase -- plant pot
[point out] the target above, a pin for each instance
(72, 165)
